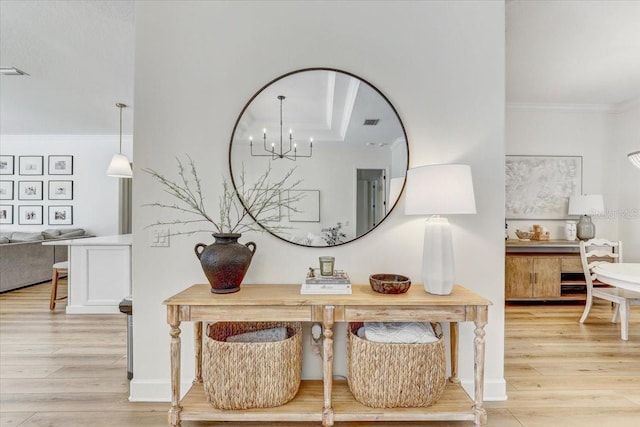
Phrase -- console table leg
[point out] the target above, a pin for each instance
(453, 336)
(327, 364)
(478, 356)
(173, 319)
(197, 344)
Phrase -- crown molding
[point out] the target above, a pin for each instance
(53, 138)
(564, 108)
(619, 107)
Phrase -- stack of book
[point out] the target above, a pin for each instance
(338, 284)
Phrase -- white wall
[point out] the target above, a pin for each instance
(95, 195)
(197, 63)
(623, 179)
(562, 133)
(603, 138)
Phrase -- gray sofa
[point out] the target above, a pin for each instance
(25, 261)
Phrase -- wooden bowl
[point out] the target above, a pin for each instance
(386, 283)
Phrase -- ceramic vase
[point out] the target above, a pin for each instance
(225, 262)
(570, 230)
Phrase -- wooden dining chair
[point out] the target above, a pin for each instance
(598, 251)
(58, 269)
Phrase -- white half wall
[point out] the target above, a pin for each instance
(95, 195)
(441, 64)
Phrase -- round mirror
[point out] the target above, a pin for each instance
(319, 157)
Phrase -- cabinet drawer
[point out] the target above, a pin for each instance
(571, 265)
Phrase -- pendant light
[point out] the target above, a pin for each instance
(634, 158)
(120, 166)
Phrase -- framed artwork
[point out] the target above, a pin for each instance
(539, 187)
(6, 190)
(60, 215)
(6, 214)
(30, 215)
(60, 165)
(29, 190)
(60, 190)
(305, 206)
(31, 165)
(7, 165)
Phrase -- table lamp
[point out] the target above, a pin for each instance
(439, 190)
(585, 205)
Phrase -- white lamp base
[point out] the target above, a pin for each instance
(437, 257)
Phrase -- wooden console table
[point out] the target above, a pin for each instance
(326, 401)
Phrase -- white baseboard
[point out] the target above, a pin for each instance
(154, 390)
(495, 389)
(92, 309)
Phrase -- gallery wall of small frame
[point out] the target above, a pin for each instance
(31, 188)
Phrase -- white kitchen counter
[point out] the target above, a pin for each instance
(99, 273)
(118, 240)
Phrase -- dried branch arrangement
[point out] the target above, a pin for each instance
(262, 202)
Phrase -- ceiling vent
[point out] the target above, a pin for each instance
(370, 122)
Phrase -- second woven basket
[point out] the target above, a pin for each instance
(384, 375)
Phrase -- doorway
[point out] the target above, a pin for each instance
(371, 199)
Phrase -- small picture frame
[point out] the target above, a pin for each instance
(60, 190)
(31, 165)
(6, 214)
(29, 215)
(7, 165)
(60, 165)
(60, 215)
(29, 190)
(6, 190)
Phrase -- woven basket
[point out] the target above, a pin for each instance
(389, 375)
(251, 375)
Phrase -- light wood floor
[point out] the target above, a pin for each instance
(70, 370)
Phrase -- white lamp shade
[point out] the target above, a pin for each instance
(440, 190)
(634, 158)
(587, 204)
(120, 167)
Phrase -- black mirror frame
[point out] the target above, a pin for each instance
(235, 126)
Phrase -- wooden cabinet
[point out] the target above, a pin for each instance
(532, 276)
(327, 401)
(543, 271)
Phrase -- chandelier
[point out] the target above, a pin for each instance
(290, 151)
